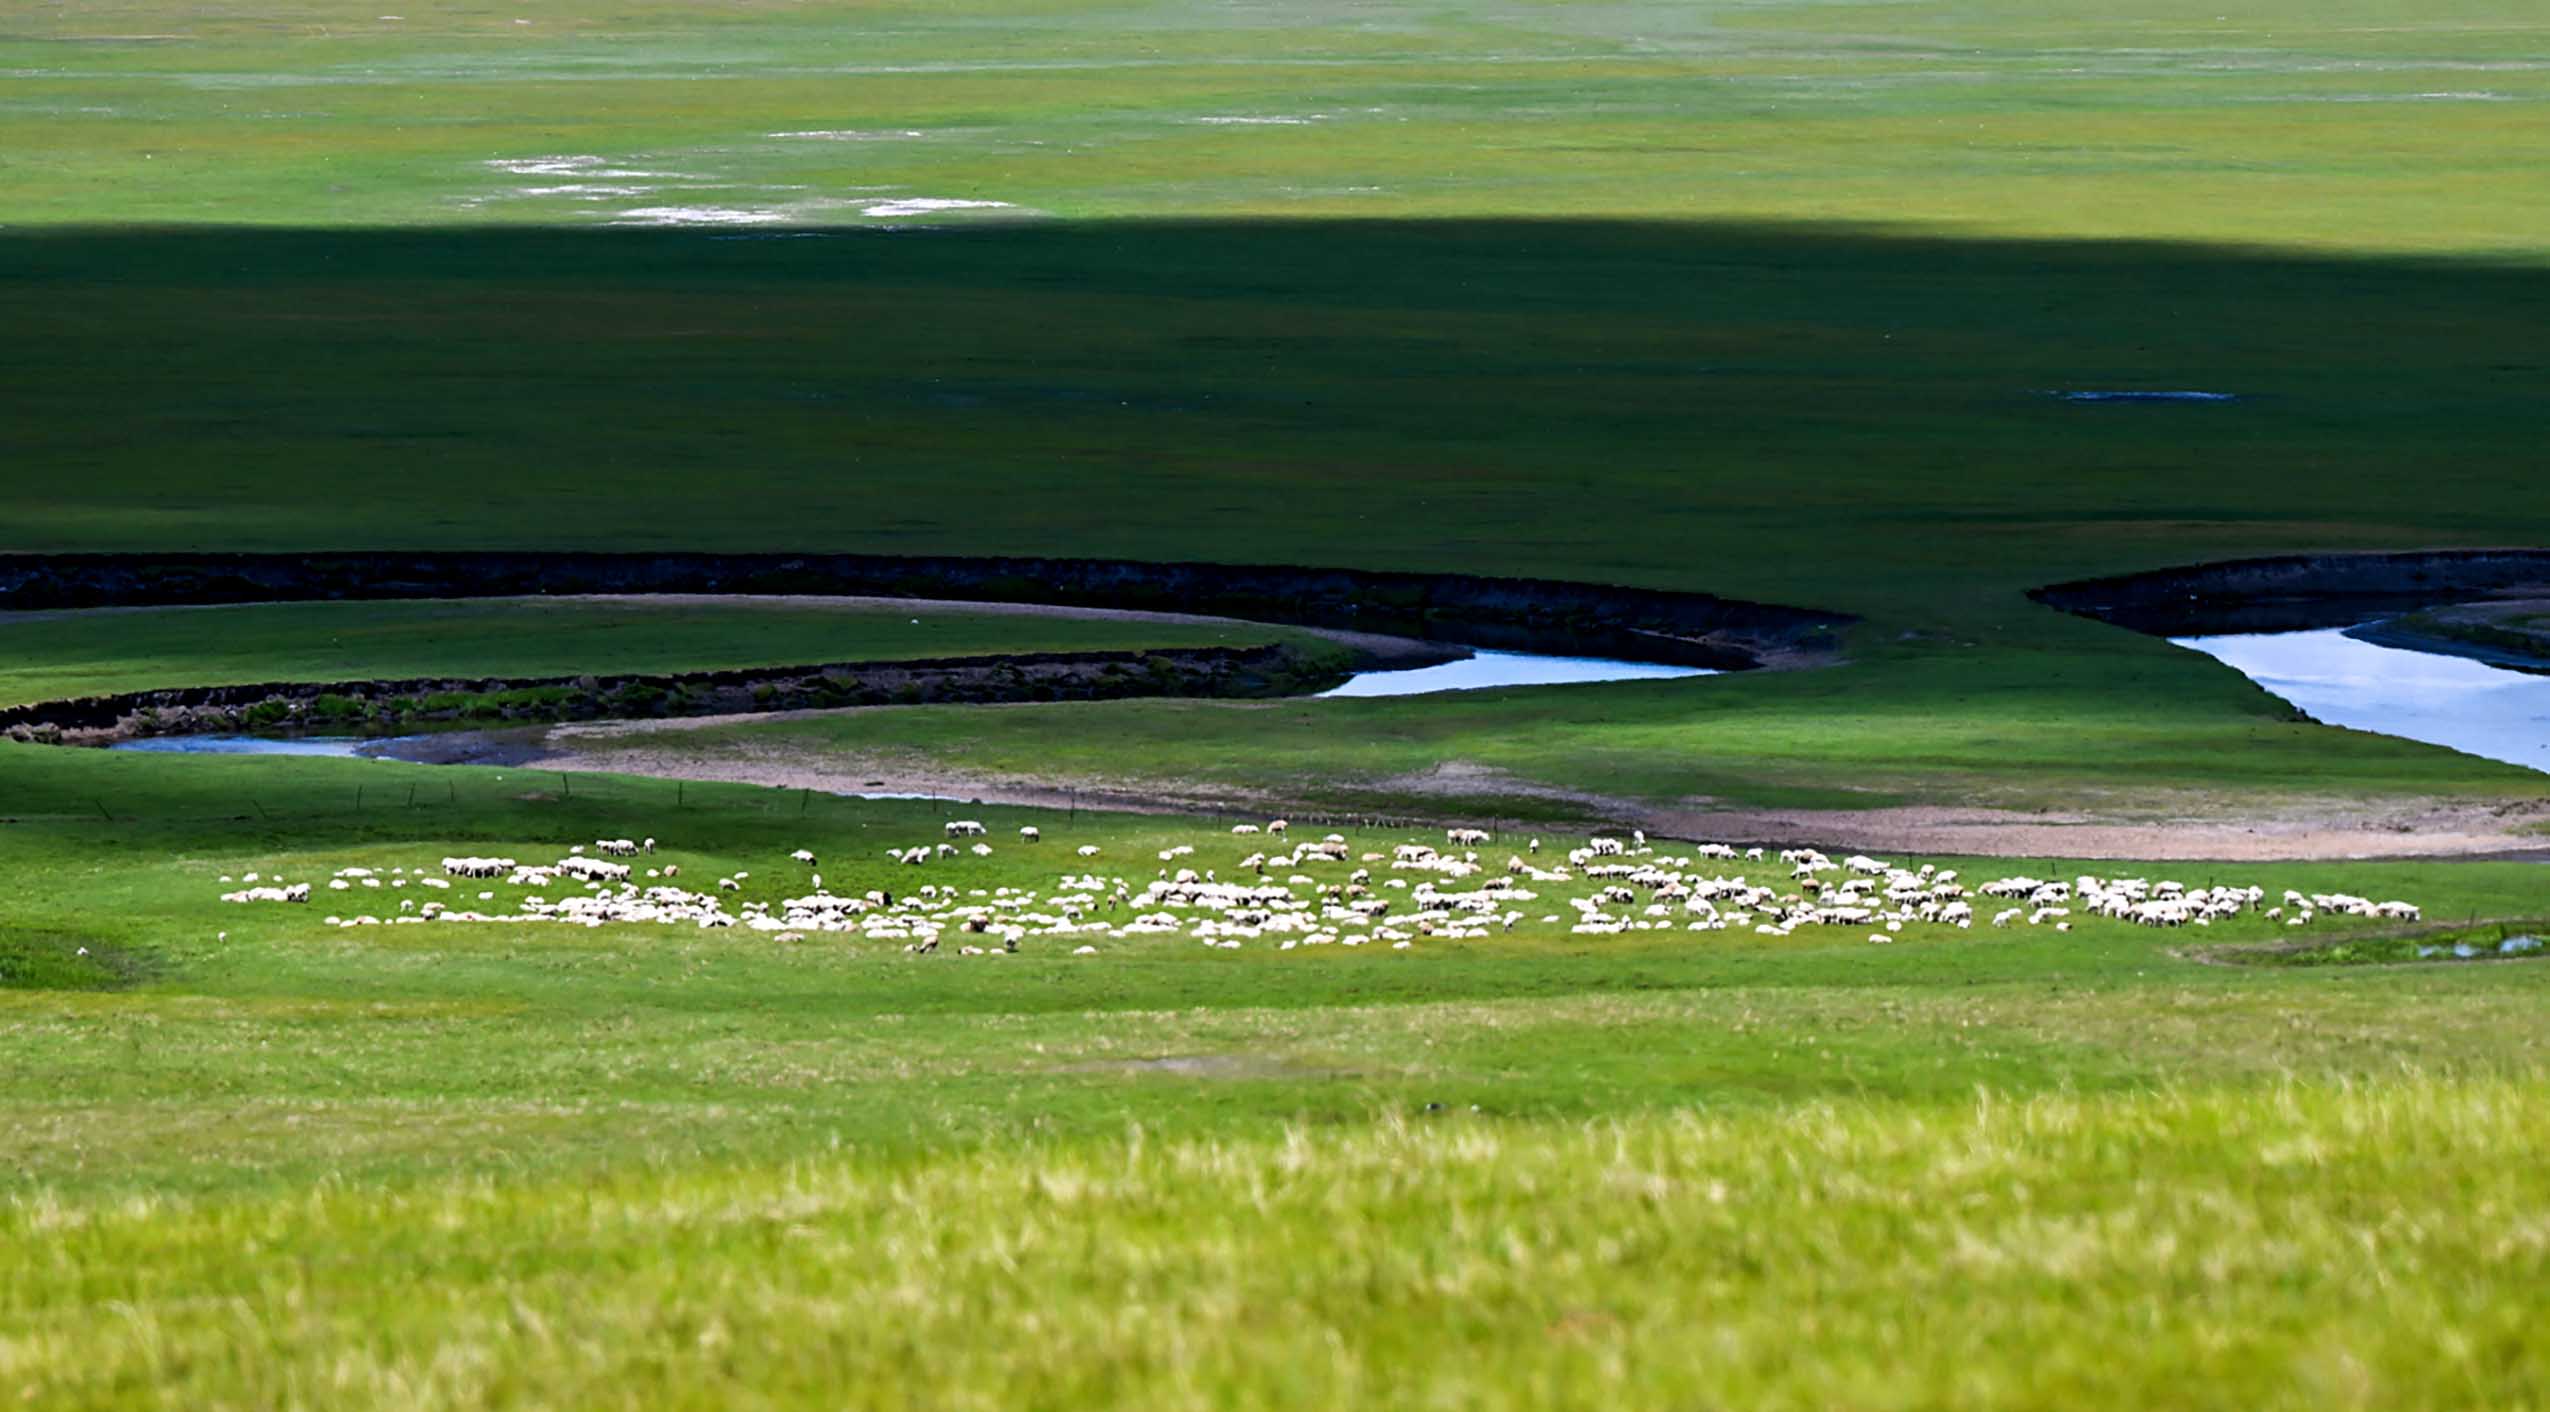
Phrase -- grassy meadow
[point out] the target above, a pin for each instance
(2335, 126)
(1841, 421)
(685, 1168)
(1762, 299)
(1767, 300)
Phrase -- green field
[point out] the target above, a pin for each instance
(640, 1164)
(1764, 300)
(2344, 126)
(50, 656)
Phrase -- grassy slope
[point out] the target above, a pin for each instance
(50, 656)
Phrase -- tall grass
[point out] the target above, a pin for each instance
(2375, 1245)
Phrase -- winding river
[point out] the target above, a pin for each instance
(2289, 602)
(2465, 705)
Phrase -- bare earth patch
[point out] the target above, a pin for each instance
(2190, 828)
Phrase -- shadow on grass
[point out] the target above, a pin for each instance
(51, 960)
(1832, 415)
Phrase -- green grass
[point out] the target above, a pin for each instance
(2377, 1246)
(2285, 124)
(540, 1127)
(2441, 946)
(1840, 420)
(1535, 1170)
(2115, 728)
(49, 656)
(1763, 301)
(1757, 300)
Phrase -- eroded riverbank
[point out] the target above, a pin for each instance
(395, 707)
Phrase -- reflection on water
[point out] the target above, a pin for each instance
(1505, 669)
(248, 745)
(2453, 701)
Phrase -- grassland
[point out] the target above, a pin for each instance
(2051, 740)
(50, 656)
(1841, 421)
(1766, 301)
(1462, 1262)
(1761, 300)
(690, 1168)
(2346, 126)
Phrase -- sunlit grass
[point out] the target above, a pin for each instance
(2377, 1245)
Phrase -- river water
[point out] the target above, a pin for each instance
(2469, 706)
(249, 745)
(1485, 669)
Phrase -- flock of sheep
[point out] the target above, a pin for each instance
(1307, 893)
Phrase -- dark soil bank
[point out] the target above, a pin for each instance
(2294, 593)
(361, 707)
(1525, 615)
(2513, 633)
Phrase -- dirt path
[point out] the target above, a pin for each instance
(2206, 829)
(2426, 829)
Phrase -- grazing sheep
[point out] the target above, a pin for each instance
(1452, 896)
(297, 892)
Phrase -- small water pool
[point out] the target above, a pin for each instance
(338, 746)
(2472, 707)
(1484, 669)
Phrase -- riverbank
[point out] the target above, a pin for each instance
(399, 707)
(2513, 633)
